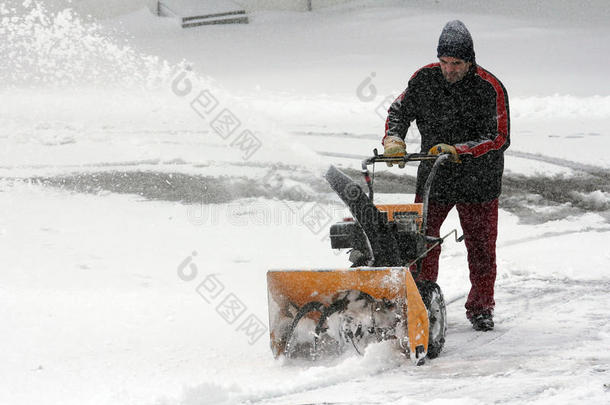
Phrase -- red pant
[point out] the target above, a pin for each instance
(480, 226)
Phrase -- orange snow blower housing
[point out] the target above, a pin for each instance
(314, 313)
(393, 285)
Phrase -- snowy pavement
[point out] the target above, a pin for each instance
(96, 312)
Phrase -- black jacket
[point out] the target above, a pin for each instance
(472, 115)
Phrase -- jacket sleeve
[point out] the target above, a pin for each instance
(494, 133)
(400, 114)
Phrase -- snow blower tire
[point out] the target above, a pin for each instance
(437, 315)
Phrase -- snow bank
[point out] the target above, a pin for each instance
(560, 106)
(567, 11)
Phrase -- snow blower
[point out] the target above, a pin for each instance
(315, 313)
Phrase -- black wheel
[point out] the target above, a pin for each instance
(437, 316)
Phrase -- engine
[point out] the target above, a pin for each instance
(404, 228)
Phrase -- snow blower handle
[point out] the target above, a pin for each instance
(409, 157)
(377, 158)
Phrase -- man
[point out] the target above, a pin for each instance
(461, 109)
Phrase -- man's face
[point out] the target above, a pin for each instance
(454, 69)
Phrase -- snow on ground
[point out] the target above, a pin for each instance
(101, 286)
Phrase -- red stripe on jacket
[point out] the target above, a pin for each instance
(431, 65)
(501, 120)
(402, 96)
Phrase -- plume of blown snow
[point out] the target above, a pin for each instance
(58, 49)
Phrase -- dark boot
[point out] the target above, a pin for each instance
(482, 322)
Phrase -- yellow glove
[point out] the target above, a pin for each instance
(445, 148)
(394, 146)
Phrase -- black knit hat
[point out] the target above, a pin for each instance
(455, 41)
